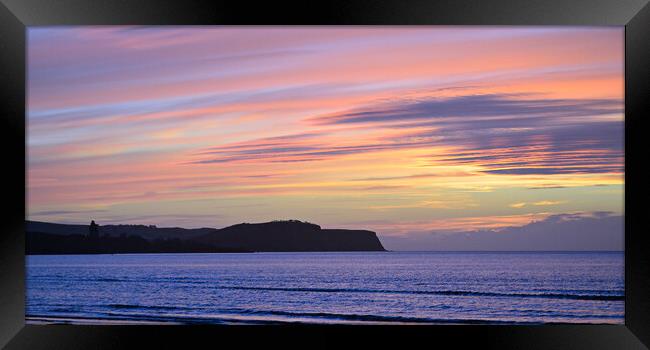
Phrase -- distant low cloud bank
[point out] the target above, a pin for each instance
(575, 232)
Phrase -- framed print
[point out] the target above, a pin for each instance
(468, 172)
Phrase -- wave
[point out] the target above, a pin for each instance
(548, 295)
(290, 317)
(146, 307)
(267, 317)
(368, 318)
(437, 292)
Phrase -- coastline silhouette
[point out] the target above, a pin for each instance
(276, 236)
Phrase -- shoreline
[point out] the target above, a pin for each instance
(231, 320)
(225, 321)
(356, 251)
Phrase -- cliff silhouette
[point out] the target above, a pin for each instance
(292, 236)
(276, 236)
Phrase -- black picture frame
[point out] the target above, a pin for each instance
(16, 15)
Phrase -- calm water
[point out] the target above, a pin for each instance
(328, 287)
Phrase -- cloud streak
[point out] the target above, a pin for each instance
(504, 134)
(473, 108)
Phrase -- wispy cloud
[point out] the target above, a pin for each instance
(518, 205)
(538, 203)
(517, 109)
(504, 134)
(544, 203)
(507, 134)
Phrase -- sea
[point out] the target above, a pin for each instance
(330, 288)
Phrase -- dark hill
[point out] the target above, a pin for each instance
(145, 231)
(292, 236)
(276, 236)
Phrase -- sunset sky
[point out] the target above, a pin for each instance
(400, 130)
